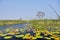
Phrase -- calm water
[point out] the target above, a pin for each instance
(22, 25)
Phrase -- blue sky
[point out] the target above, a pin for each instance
(27, 9)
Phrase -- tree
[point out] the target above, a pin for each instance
(20, 18)
(40, 14)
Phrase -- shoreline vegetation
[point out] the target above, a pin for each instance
(10, 22)
(50, 25)
(37, 22)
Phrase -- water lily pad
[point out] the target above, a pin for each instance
(8, 37)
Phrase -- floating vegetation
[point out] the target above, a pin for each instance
(35, 34)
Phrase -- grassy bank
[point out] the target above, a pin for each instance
(8, 22)
(46, 24)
